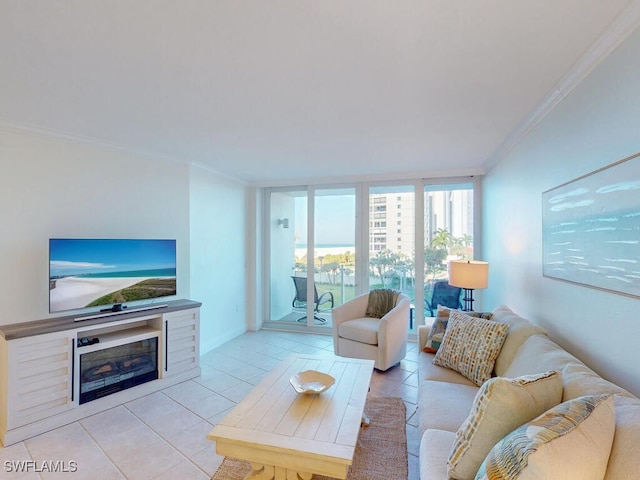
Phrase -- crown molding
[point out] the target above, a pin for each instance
(624, 24)
(102, 145)
(26, 129)
(377, 178)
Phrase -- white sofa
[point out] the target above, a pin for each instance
(383, 340)
(445, 397)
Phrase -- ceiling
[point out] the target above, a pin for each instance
(280, 91)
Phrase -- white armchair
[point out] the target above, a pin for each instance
(383, 340)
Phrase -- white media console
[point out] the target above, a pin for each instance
(42, 377)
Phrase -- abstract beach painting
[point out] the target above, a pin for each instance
(591, 229)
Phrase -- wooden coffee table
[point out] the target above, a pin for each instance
(286, 436)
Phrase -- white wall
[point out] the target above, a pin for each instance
(597, 124)
(255, 240)
(54, 188)
(218, 209)
(281, 254)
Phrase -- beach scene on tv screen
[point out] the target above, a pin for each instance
(87, 273)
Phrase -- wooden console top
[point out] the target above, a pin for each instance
(69, 322)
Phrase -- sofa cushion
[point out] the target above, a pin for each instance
(579, 380)
(435, 446)
(624, 461)
(538, 353)
(363, 330)
(519, 330)
(439, 325)
(570, 441)
(500, 406)
(428, 371)
(470, 346)
(443, 405)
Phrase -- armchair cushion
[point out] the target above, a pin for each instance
(363, 330)
(381, 301)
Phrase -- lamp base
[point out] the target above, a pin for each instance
(468, 300)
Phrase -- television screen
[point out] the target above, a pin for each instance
(87, 273)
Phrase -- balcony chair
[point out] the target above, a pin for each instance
(383, 340)
(323, 303)
(445, 295)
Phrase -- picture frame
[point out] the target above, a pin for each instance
(591, 229)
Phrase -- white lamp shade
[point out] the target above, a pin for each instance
(470, 274)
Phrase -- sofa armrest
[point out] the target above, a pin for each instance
(355, 308)
(394, 326)
(397, 316)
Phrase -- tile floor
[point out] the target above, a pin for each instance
(163, 435)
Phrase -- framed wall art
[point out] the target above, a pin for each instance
(591, 229)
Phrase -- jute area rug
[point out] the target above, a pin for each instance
(381, 451)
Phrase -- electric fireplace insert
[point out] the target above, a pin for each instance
(106, 371)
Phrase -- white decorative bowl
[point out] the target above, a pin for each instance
(311, 382)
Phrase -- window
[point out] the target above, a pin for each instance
(335, 243)
(448, 229)
(434, 224)
(394, 266)
(326, 263)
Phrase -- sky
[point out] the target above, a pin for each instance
(73, 255)
(335, 219)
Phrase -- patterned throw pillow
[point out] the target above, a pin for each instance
(470, 346)
(571, 441)
(501, 405)
(436, 333)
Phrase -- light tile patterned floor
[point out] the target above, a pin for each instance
(163, 435)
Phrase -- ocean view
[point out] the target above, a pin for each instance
(322, 249)
(149, 273)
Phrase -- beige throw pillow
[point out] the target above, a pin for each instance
(470, 346)
(572, 441)
(500, 406)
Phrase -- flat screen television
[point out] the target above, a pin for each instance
(85, 273)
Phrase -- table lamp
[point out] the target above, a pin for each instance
(468, 275)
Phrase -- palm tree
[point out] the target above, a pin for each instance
(442, 239)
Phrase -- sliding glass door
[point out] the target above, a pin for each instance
(311, 262)
(287, 255)
(328, 244)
